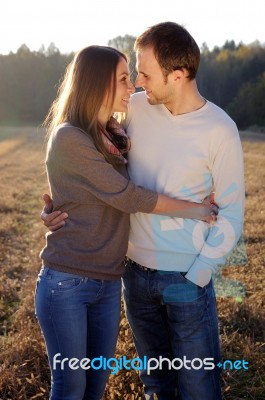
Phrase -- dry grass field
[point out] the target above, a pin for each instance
(24, 372)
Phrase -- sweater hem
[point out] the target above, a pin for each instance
(83, 272)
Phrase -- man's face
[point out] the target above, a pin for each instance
(150, 77)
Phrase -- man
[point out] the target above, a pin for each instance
(185, 147)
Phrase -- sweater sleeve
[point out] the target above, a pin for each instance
(81, 170)
(226, 165)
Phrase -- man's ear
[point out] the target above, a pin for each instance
(179, 74)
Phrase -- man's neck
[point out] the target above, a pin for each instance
(187, 101)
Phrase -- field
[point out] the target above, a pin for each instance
(24, 372)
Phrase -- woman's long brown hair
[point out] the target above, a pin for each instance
(88, 79)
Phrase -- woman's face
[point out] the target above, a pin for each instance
(124, 89)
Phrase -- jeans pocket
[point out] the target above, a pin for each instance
(59, 281)
(181, 290)
(68, 284)
(183, 277)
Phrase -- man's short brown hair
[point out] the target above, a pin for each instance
(173, 46)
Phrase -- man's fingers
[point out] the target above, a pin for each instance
(48, 217)
(56, 217)
(57, 226)
(52, 219)
(48, 203)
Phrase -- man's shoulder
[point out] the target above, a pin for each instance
(219, 114)
(222, 126)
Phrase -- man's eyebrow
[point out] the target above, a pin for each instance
(140, 72)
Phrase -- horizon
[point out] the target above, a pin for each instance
(44, 48)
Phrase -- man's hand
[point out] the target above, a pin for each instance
(53, 220)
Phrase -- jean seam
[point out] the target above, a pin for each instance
(211, 323)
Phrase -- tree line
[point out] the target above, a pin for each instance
(232, 76)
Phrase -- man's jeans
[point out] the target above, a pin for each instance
(174, 318)
(79, 318)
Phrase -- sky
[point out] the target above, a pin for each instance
(72, 25)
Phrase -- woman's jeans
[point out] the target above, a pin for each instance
(174, 319)
(79, 318)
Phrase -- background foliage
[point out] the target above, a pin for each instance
(233, 77)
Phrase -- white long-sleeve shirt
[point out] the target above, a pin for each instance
(185, 156)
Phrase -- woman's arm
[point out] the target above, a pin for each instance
(206, 211)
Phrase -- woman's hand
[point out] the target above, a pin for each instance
(214, 209)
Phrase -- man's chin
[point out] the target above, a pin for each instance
(152, 101)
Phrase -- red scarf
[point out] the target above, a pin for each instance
(116, 140)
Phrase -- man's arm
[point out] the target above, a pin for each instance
(228, 178)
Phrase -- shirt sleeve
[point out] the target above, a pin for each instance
(226, 164)
(81, 169)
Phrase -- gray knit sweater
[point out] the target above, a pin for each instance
(98, 198)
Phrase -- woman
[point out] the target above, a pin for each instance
(78, 288)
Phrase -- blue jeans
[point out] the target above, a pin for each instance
(176, 319)
(79, 318)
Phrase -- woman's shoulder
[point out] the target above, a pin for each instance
(67, 128)
(67, 133)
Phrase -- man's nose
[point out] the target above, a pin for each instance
(131, 88)
(138, 81)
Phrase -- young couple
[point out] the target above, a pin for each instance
(179, 149)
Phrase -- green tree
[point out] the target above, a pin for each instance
(248, 107)
(125, 45)
(231, 76)
(28, 82)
